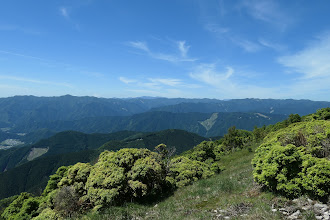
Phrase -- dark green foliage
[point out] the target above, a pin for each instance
(66, 202)
(172, 138)
(60, 143)
(117, 177)
(4, 203)
(32, 176)
(293, 118)
(24, 207)
(295, 160)
(55, 179)
(321, 114)
(236, 139)
(259, 133)
(203, 151)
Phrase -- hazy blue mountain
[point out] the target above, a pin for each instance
(204, 124)
(272, 106)
(29, 113)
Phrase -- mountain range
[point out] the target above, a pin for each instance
(30, 118)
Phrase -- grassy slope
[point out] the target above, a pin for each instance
(232, 190)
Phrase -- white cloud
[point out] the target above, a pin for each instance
(224, 84)
(247, 45)
(126, 80)
(21, 79)
(168, 82)
(157, 85)
(22, 55)
(215, 28)
(64, 12)
(268, 11)
(208, 74)
(183, 48)
(139, 45)
(271, 45)
(175, 57)
(313, 61)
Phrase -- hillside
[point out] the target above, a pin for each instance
(214, 180)
(60, 143)
(68, 148)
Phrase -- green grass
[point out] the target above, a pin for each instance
(232, 190)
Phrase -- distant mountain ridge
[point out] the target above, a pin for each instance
(29, 113)
(271, 106)
(204, 124)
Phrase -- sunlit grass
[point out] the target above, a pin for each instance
(231, 190)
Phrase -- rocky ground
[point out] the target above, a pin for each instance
(302, 208)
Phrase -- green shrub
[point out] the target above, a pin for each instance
(184, 171)
(23, 207)
(289, 160)
(316, 176)
(129, 174)
(66, 201)
(55, 179)
(48, 214)
(321, 114)
(76, 176)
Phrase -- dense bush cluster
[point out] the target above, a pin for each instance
(321, 114)
(126, 175)
(295, 160)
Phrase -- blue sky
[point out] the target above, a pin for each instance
(220, 49)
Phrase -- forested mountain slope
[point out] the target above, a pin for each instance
(71, 147)
(204, 124)
(28, 113)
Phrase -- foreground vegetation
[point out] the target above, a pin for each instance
(293, 160)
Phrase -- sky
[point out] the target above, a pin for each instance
(222, 49)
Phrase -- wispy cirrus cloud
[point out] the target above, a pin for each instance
(313, 61)
(166, 81)
(126, 80)
(208, 74)
(139, 45)
(272, 45)
(216, 28)
(152, 82)
(55, 64)
(28, 80)
(64, 12)
(157, 83)
(268, 11)
(181, 55)
(225, 84)
(23, 55)
(247, 45)
(183, 48)
(19, 29)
